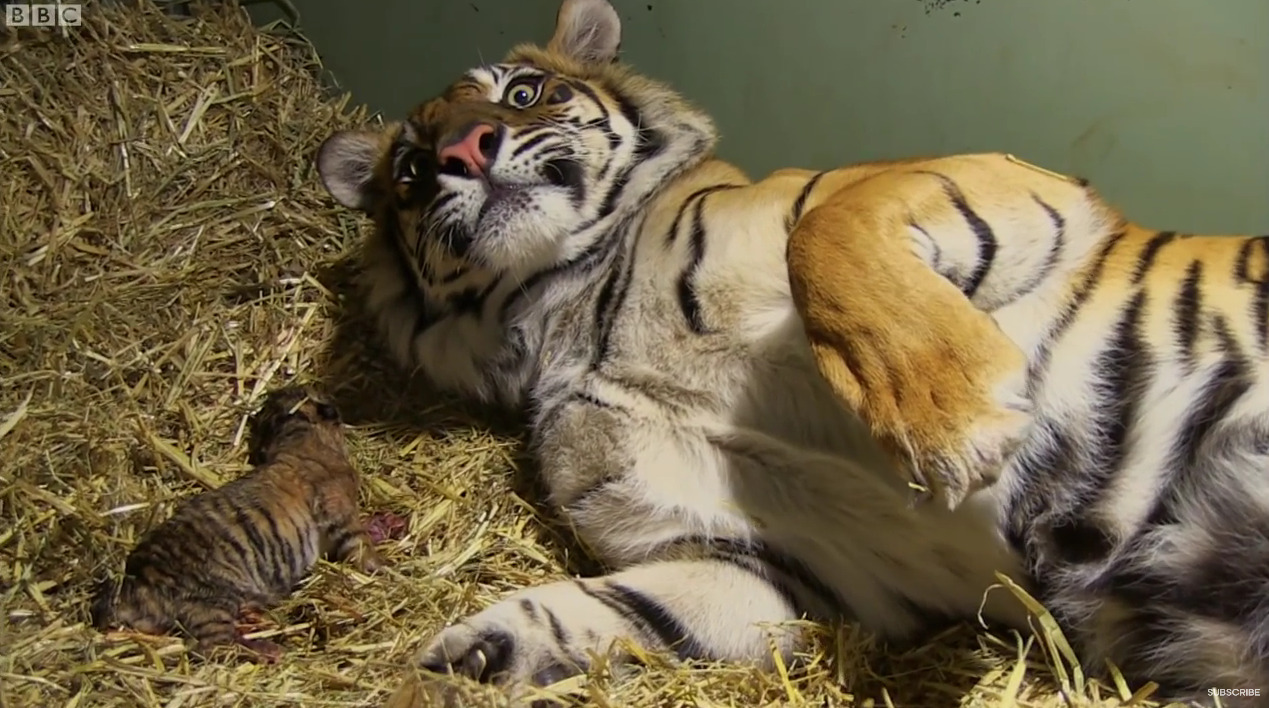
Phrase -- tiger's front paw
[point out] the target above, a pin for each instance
(951, 413)
(497, 656)
(518, 644)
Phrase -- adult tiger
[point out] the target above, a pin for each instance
(1084, 395)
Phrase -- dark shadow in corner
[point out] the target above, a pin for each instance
(370, 389)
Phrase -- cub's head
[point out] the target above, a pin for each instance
(291, 416)
(522, 165)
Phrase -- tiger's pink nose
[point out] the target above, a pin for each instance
(473, 151)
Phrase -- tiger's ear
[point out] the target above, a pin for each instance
(588, 31)
(346, 163)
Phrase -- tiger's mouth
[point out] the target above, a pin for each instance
(562, 173)
(502, 196)
(509, 214)
(505, 197)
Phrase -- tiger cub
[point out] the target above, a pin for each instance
(243, 547)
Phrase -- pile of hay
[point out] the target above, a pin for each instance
(167, 255)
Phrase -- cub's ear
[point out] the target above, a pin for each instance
(587, 30)
(346, 163)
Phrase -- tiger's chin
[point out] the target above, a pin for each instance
(522, 230)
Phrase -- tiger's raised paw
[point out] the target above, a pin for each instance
(951, 415)
(964, 456)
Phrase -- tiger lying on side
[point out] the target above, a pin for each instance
(736, 434)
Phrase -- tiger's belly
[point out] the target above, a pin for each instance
(833, 500)
(805, 475)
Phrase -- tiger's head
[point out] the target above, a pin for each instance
(523, 165)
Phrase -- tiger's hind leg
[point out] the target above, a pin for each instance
(696, 578)
(689, 578)
(934, 377)
(1186, 603)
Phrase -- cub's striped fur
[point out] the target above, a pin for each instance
(733, 384)
(244, 546)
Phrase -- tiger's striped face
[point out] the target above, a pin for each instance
(508, 166)
(519, 166)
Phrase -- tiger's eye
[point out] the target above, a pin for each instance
(522, 95)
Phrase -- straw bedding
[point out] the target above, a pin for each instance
(166, 256)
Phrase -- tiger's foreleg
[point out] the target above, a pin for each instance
(345, 537)
(707, 527)
(649, 500)
(697, 609)
(934, 377)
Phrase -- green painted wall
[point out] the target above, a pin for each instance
(1163, 103)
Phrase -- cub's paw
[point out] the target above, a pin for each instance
(264, 651)
(367, 559)
(951, 414)
(518, 644)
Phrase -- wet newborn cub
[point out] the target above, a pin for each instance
(243, 547)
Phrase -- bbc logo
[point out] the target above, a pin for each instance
(59, 15)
